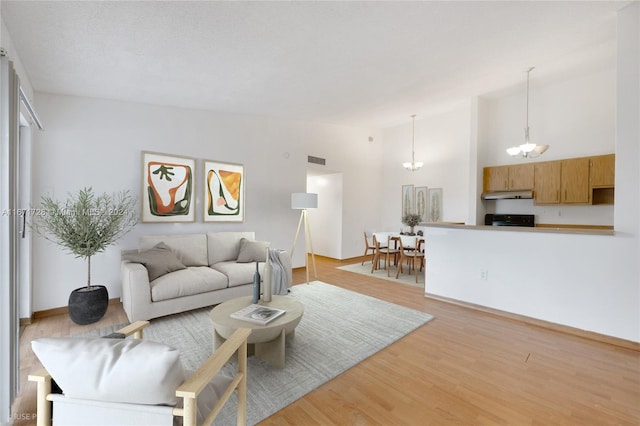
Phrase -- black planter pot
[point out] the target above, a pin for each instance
(88, 304)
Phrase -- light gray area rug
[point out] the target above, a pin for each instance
(404, 277)
(339, 329)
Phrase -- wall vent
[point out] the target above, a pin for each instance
(316, 160)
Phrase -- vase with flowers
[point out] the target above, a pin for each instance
(411, 220)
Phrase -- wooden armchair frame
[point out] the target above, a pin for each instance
(188, 390)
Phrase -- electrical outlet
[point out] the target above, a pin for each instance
(484, 274)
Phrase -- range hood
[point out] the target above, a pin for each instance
(507, 195)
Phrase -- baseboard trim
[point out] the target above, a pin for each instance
(62, 310)
(602, 338)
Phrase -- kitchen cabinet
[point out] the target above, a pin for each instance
(508, 178)
(521, 177)
(602, 171)
(584, 180)
(574, 181)
(496, 178)
(562, 181)
(547, 182)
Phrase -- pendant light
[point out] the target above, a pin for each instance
(527, 149)
(413, 165)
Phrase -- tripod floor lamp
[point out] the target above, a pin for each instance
(303, 201)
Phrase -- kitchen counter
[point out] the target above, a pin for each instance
(541, 228)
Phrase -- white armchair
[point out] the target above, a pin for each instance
(134, 382)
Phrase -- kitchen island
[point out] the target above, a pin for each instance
(580, 278)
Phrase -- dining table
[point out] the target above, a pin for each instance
(392, 239)
(408, 241)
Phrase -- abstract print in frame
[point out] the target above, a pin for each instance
(422, 203)
(168, 188)
(407, 199)
(223, 192)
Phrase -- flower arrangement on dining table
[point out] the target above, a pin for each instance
(411, 220)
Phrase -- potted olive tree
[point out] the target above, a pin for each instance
(411, 220)
(86, 224)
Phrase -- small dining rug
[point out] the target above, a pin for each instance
(381, 273)
(339, 329)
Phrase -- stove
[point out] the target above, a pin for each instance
(509, 220)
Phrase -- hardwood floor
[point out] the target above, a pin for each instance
(464, 367)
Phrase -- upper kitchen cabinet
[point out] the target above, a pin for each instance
(521, 177)
(602, 171)
(547, 182)
(562, 182)
(508, 178)
(574, 181)
(602, 177)
(584, 180)
(496, 178)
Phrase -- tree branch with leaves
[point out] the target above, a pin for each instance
(85, 223)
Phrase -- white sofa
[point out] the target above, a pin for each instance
(176, 273)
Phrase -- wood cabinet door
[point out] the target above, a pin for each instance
(496, 178)
(602, 171)
(521, 177)
(547, 182)
(575, 182)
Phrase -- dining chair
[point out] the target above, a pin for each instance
(368, 236)
(410, 254)
(388, 252)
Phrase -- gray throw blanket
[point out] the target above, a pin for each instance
(279, 277)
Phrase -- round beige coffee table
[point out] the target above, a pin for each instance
(266, 341)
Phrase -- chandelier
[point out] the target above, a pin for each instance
(413, 165)
(527, 149)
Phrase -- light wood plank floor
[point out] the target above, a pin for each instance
(465, 367)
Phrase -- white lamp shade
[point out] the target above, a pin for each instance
(304, 200)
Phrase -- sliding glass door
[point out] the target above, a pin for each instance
(9, 232)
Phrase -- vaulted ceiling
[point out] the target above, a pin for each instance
(352, 63)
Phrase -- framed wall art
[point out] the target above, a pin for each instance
(223, 192)
(167, 188)
(435, 205)
(407, 199)
(422, 203)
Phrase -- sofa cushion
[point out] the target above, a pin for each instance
(131, 370)
(159, 260)
(191, 249)
(193, 280)
(225, 246)
(239, 273)
(252, 251)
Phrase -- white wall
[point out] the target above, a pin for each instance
(442, 142)
(357, 155)
(98, 143)
(326, 220)
(583, 281)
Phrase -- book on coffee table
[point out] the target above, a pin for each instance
(257, 314)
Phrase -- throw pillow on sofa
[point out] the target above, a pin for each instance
(158, 260)
(252, 251)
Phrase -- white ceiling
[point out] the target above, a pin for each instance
(352, 63)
